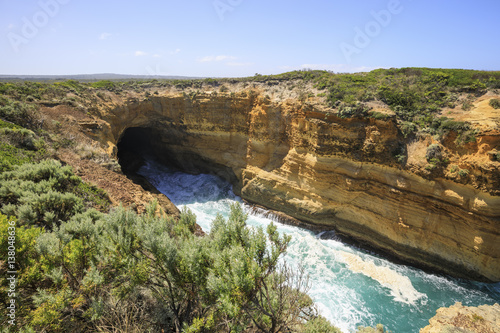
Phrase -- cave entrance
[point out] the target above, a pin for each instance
(169, 147)
(133, 147)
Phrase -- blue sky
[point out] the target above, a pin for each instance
(242, 37)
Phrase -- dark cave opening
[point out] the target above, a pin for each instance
(170, 148)
(133, 146)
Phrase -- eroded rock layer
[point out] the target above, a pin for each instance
(332, 173)
(459, 318)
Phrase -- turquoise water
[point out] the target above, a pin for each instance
(350, 287)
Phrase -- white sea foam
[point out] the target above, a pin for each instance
(401, 287)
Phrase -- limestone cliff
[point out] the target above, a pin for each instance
(459, 318)
(331, 173)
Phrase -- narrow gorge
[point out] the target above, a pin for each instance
(323, 171)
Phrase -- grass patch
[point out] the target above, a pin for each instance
(5, 124)
(11, 156)
(475, 318)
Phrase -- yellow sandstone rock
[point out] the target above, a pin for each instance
(481, 319)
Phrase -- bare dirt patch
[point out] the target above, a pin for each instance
(120, 188)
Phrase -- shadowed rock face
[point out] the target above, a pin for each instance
(331, 173)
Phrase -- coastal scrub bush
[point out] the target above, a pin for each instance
(19, 145)
(11, 156)
(46, 193)
(103, 84)
(495, 103)
(433, 152)
(20, 137)
(357, 110)
(408, 128)
(463, 173)
(442, 126)
(477, 87)
(123, 271)
(71, 85)
(38, 193)
(379, 116)
(467, 106)
(319, 325)
(21, 113)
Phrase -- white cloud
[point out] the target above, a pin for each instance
(216, 58)
(156, 55)
(11, 26)
(239, 64)
(176, 51)
(140, 53)
(339, 68)
(105, 35)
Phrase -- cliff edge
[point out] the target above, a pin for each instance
(459, 318)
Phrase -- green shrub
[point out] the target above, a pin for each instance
(40, 189)
(431, 166)
(406, 98)
(62, 206)
(495, 103)
(379, 115)
(19, 145)
(21, 114)
(4, 124)
(359, 110)
(103, 84)
(475, 317)
(47, 193)
(10, 156)
(71, 85)
(467, 106)
(93, 197)
(435, 161)
(463, 173)
(20, 137)
(477, 87)
(401, 159)
(319, 325)
(408, 128)
(211, 82)
(466, 137)
(452, 125)
(434, 151)
(58, 176)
